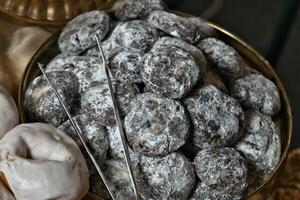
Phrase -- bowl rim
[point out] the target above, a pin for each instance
(249, 49)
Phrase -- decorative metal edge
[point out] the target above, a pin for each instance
(23, 20)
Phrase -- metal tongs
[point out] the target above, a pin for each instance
(78, 132)
(118, 122)
(118, 118)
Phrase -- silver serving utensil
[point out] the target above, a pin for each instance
(118, 118)
(78, 132)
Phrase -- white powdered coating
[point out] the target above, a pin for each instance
(131, 9)
(79, 34)
(170, 71)
(174, 25)
(216, 117)
(165, 178)
(4, 193)
(94, 134)
(9, 116)
(118, 177)
(115, 149)
(203, 192)
(156, 125)
(126, 66)
(257, 92)
(87, 69)
(204, 28)
(136, 35)
(97, 103)
(260, 144)
(222, 169)
(40, 101)
(41, 162)
(109, 47)
(193, 50)
(226, 59)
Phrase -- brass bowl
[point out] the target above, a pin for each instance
(49, 12)
(283, 119)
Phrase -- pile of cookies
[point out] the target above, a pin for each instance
(197, 118)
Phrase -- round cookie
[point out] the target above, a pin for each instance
(222, 169)
(79, 34)
(226, 59)
(87, 69)
(9, 116)
(216, 117)
(203, 192)
(126, 66)
(97, 103)
(174, 25)
(94, 134)
(260, 144)
(170, 71)
(156, 125)
(132, 9)
(193, 50)
(257, 92)
(118, 177)
(169, 177)
(204, 28)
(41, 103)
(136, 35)
(109, 47)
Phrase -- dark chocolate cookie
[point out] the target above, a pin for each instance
(94, 134)
(126, 66)
(224, 57)
(257, 92)
(193, 50)
(216, 117)
(97, 103)
(170, 71)
(136, 35)
(174, 25)
(117, 174)
(165, 178)
(79, 34)
(260, 143)
(205, 29)
(40, 101)
(132, 9)
(156, 125)
(87, 69)
(222, 169)
(204, 192)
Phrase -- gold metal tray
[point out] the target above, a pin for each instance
(49, 13)
(283, 119)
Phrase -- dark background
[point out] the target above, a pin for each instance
(270, 26)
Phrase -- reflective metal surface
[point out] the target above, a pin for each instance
(49, 12)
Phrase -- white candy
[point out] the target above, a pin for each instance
(41, 162)
(9, 117)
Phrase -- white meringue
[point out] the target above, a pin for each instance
(41, 162)
(9, 116)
